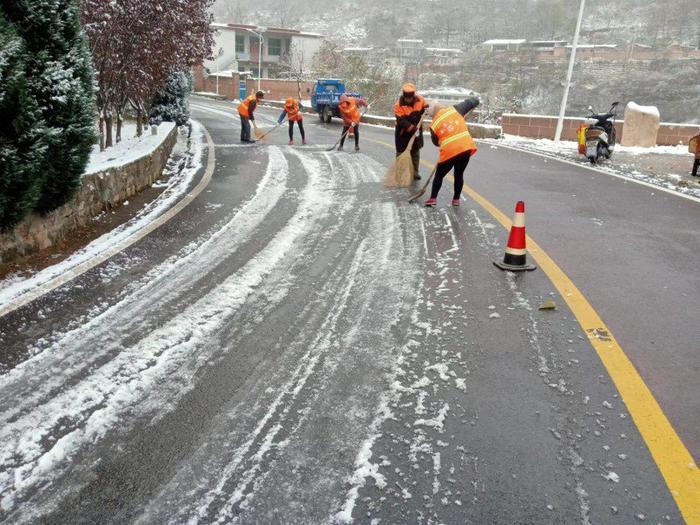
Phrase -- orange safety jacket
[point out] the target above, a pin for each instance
(694, 146)
(350, 111)
(452, 133)
(293, 113)
(405, 113)
(244, 107)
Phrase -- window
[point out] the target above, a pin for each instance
(274, 47)
(240, 43)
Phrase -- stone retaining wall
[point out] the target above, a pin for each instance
(98, 192)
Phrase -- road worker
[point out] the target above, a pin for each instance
(293, 114)
(409, 109)
(350, 113)
(694, 147)
(449, 132)
(246, 110)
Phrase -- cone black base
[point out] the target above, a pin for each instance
(514, 268)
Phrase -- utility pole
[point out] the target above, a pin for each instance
(259, 33)
(218, 56)
(569, 74)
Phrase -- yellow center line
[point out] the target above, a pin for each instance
(671, 456)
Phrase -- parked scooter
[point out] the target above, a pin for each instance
(600, 134)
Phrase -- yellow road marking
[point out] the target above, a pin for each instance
(673, 459)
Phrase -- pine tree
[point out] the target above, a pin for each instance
(172, 104)
(60, 80)
(22, 148)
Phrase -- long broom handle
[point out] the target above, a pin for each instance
(271, 130)
(362, 114)
(413, 137)
(425, 186)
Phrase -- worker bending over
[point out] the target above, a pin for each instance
(293, 114)
(350, 113)
(246, 110)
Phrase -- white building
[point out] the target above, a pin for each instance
(237, 48)
(497, 45)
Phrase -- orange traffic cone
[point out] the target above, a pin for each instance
(515, 259)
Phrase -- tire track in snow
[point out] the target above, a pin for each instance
(102, 401)
(102, 337)
(232, 486)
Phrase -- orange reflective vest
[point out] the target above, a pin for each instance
(350, 111)
(293, 112)
(244, 107)
(452, 133)
(401, 110)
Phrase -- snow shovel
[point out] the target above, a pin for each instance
(412, 198)
(401, 173)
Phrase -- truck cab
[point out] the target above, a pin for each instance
(325, 97)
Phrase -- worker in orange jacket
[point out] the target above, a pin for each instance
(293, 114)
(694, 147)
(246, 110)
(350, 113)
(449, 132)
(408, 110)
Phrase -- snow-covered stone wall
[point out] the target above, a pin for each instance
(99, 191)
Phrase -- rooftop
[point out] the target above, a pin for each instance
(267, 30)
(499, 42)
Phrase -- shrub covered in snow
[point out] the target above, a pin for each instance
(172, 104)
(59, 82)
(22, 144)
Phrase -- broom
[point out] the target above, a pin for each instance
(401, 173)
(364, 110)
(425, 186)
(260, 137)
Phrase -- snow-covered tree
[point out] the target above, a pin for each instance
(137, 45)
(59, 80)
(172, 104)
(22, 147)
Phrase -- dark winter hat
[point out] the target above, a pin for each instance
(260, 94)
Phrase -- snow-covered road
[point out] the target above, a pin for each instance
(302, 346)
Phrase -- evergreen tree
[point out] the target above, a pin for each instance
(172, 104)
(60, 80)
(22, 148)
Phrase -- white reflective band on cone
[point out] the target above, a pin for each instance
(516, 251)
(519, 220)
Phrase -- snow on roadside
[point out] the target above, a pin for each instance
(178, 185)
(652, 166)
(130, 149)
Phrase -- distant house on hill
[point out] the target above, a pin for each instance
(498, 45)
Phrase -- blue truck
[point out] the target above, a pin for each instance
(325, 97)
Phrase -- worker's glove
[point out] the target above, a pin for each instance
(352, 124)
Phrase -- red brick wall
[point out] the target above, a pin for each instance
(228, 86)
(674, 134)
(280, 89)
(544, 127)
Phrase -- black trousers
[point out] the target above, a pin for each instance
(300, 123)
(459, 163)
(696, 166)
(401, 141)
(346, 130)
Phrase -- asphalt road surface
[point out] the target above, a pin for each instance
(301, 345)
